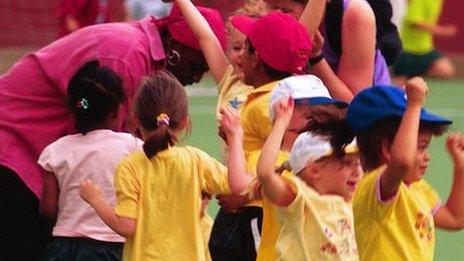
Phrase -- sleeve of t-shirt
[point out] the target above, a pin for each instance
(224, 80)
(213, 174)
(128, 190)
(432, 196)
(47, 159)
(260, 121)
(297, 205)
(367, 201)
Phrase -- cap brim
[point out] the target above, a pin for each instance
(242, 23)
(430, 117)
(323, 101)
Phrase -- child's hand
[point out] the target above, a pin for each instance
(416, 89)
(283, 110)
(229, 124)
(88, 191)
(455, 147)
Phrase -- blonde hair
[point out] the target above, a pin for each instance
(251, 8)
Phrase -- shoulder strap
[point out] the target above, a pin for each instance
(333, 24)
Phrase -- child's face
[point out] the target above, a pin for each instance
(422, 158)
(340, 176)
(236, 47)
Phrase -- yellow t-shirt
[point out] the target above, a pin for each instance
(254, 118)
(315, 227)
(232, 91)
(270, 228)
(206, 223)
(164, 195)
(401, 228)
(415, 40)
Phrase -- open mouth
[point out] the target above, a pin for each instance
(351, 184)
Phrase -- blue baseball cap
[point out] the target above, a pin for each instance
(373, 104)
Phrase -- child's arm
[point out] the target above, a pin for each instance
(401, 154)
(312, 16)
(437, 30)
(274, 186)
(451, 215)
(50, 192)
(212, 50)
(121, 225)
(232, 132)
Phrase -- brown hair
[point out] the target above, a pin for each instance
(161, 94)
(370, 141)
(329, 121)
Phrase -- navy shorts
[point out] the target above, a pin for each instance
(83, 249)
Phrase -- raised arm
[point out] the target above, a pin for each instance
(403, 150)
(210, 45)
(356, 65)
(232, 133)
(312, 16)
(121, 225)
(451, 215)
(274, 186)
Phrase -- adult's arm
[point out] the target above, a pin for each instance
(209, 43)
(356, 65)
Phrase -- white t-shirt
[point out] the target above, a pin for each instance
(74, 158)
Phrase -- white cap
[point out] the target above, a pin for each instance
(310, 147)
(300, 87)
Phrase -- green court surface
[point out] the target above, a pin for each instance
(446, 98)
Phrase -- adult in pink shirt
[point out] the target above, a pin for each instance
(33, 110)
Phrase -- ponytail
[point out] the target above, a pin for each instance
(94, 92)
(161, 109)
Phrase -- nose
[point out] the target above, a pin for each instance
(357, 171)
(197, 77)
(426, 156)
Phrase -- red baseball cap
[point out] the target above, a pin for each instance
(181, 32)
(280, 40)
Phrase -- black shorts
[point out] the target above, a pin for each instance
(410, 65)
(236, 236)
(84, 249)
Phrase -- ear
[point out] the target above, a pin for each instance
(385, 149)
(255, 60)
(312, 170)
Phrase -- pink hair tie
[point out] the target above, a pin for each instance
(162, 119)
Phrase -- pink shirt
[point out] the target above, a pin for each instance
(33, 110)
(93, 156)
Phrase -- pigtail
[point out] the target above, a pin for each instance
(93, 93)
(338, 132)
(159, 140)
(162, 111)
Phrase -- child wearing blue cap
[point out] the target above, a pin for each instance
(395, 209)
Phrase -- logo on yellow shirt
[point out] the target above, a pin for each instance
(424, 226)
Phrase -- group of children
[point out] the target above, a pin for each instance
(308, 177)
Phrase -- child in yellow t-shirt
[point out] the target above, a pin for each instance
(395, 209)
(313, 205)
(159, 190)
